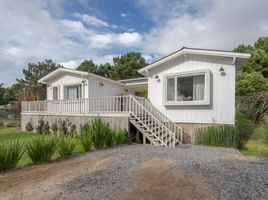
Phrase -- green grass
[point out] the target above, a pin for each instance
(10, 134)
(253, 137)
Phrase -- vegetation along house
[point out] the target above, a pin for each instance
(187, 89)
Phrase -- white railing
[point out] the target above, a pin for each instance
(139, 107)
(89, 105)
(149, 121)
(161, 117)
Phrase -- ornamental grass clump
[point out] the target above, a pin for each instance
(86, 141)
(223, 136)
(65, 146)
(100, 131)
(119, 137)
(10, 154)
(41, 149)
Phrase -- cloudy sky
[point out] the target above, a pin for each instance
(71, 31)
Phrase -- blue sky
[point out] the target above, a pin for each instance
(70, 31)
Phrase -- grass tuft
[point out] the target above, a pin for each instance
(65, 146)
(10, 154)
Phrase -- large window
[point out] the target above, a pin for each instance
(73, 92)
(183, 89)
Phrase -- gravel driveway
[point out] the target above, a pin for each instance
(142, 172)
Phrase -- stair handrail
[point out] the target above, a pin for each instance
(162, 117)
(159, 122)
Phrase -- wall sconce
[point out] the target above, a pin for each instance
(84, 82)
(126, 90)
(100, 83)
(222, 72)
(157, 78)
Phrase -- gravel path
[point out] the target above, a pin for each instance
(147, 172)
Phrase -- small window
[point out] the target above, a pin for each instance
(55, 93)
(73, 92)
(187, 89)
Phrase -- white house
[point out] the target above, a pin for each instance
(187, 89)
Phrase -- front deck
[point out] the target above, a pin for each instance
(118, 111)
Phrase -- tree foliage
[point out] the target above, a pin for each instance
(2, 94)
(254, 75)
(35, 71)
(250, 82)
(123, 67)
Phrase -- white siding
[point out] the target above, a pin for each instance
(92, 88)
(222, 104)
(107, 89)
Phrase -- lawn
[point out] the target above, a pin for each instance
(8, 134)
(253, 140)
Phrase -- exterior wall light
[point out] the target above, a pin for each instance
(222, 72)
(100, 83)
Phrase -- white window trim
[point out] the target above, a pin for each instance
(58, 92)
(206, 101)
(72, 85)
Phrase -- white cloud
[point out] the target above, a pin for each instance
(124, 15)
(13, 51)
(92, 20)
(221, 26)
(72, 64)
(74, 26)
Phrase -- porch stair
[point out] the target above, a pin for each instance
(153, 124)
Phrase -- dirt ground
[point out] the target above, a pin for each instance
(117, 174)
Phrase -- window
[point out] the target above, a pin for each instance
(73, 92)
(187, 89)
(55, 93)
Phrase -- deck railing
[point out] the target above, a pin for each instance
(89, 105)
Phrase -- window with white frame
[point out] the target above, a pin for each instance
(72, 92)
(55, 93)
(187, 88)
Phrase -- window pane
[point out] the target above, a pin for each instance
(171, 89)
(55, 93)
(199, 88)
(185, 88)
(72, 92)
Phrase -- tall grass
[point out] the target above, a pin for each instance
(86, 141)
(41, 149)
(99, 132)
(223, 136)
(10, 154)
(119, 137)
(65, 146)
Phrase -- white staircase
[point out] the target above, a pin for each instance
(153, 124)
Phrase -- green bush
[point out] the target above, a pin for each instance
(65, 146)
(119, 137)
(248, 82)
(41, 149)
(223, 136)
(10, 154)
(99, 132)
(109, 137)
(1, 123)
(62, 128)
(54, 128)
(254, 105)
(12, 124)
(264, 127)
(29, 126)
(85, 139)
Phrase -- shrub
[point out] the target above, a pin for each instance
(29, 126)
(40, 126)
(224, 136)
(254, 105)
(54, 128)
(264, 127)
(41, 149)
(99, 132)
(65, 146)
(73, 130)
(248, 82)
(109, 137)
(1, 123)
(63, 130)
(10, 154)
(12, 124)
(119, 137)
(85, 139)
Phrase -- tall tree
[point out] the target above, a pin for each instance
(88, 66)
(35, 71)
(127, 66)
(2, 94)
